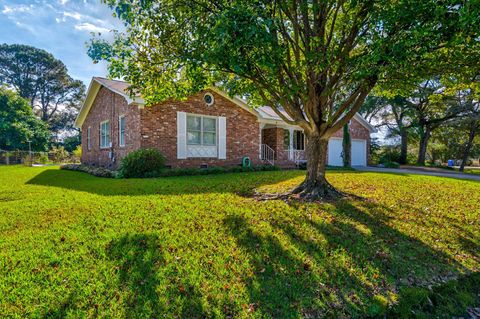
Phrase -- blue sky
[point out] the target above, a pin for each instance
(61, 27)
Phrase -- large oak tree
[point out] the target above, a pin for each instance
(316, 60)
(44, 81)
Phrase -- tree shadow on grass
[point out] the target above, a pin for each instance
(239, 183)
(139, 258)
(456, 297)
(347, 265)
(62, 310)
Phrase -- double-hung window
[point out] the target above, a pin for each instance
(201, 136)
(121, 130)
(201, 130)
(105, 134)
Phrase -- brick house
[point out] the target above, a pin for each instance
(207, 129)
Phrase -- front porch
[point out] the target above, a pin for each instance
(282, 146)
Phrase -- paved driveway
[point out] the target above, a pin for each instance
(420, 171)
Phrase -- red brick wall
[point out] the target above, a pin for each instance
(156, 126)
(159, 130)
(357, 131)
(274, 137)
(109, 106)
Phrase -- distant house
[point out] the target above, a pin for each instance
(208, 129)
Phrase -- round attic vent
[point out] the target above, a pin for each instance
(208, 98)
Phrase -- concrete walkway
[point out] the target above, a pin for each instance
(420, 171)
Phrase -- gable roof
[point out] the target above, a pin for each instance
(264, 113)
(117, 86)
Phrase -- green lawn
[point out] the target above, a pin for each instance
(472, 171)
(73, 246)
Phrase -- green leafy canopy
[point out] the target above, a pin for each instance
(18, 124)
(317, 60)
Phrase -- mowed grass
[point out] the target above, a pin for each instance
(472, 171)
(77, 246)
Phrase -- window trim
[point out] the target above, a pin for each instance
(296, 136)
(109, 135)
(293, 140)
(120, 144)
(201, 116)
(89, 138)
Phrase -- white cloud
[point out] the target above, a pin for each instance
(90, 27)
(63, 2)
(16, 9)
(74, 15)
(25, 27)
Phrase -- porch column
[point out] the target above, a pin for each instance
(290, 146)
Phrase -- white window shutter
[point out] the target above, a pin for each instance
(181, 135)
(222, 137)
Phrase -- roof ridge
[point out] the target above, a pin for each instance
(116, 80)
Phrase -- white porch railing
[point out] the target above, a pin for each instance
(296, 156)
(267, 154)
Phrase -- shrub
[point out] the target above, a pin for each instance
(141, 163)
(266, 168)
(391, 165)
(35, 158)
(95, 171)
(60, 155)
(192, 171)
(42, 158)
(77, 154)
(389, 154)
(169, 172)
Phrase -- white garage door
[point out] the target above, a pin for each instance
(335, 152)
(359, 153)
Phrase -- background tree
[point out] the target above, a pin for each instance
(314, 60)
(472, 123)
(467, 95)
(372, 110)
(401, 110)
(431, 108)
(44, 81)
(71, 143)
(392, 112)
(18, 124)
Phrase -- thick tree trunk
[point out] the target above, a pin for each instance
(315, 186)
(468, 147)
(422, 150)
(404, 146)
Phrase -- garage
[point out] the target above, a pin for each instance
(335, 152)
(359, 152)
